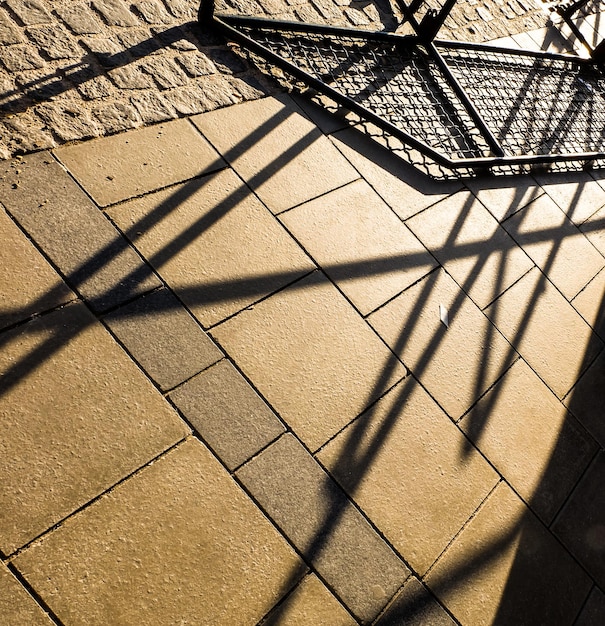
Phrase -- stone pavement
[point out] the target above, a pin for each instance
(255, 369)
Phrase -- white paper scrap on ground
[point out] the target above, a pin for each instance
(443, 315)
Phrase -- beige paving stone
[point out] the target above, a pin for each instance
(411, 471)
(165, 340)
(504, 195)
(178, 542)
(415, 606)
(555, 245)
(28, 284)
(578, 194)
(310, 603)
(506, 568)
(529, 437)
(400, 185)
(586, 399)
(594, 229)
(112, 169)
(466, 240)
(581, 524)
(278, 152)
(550, 39)
(594, 610)
(324, 526)
(360, 244)
(548, 333)
(72, 232)
(76, 416)
(226, 411)
(214, 244)
(16, 605)
(590, 303)
(456, 363)
(311, 356)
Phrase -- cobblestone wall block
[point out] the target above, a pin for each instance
(54, 42)
(68, 121)
(26, 133)
(30, 12)
(153, 107)
(9, 34)
(19, 58)
(165, 72)
(116, 117)
(80, 19)
(152, 11)
(196, 64)
(115, 12)
(107, 51)
(131, 77)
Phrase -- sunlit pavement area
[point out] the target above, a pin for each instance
(254, 368)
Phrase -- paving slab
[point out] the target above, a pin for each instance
(17, 606)
(311, 356)
(556, 245)
(164, 338)
(594, 610)
(213, 243)
(472, 247)
(324, 526)
(228, 413)
(360, 244)
(590, 303)
(530, 438)
(410, 469)
(131, 164)
(546, 330)
(284, 158)
(77, 417)
(28, 284)
(179, 541)
(80, 241)
(456, 362)
(593, 228)
(506, 568)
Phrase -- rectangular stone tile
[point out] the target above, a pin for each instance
(71, 230)
(555, 245)
(311, 356)
(506, 568)
(590, 303)
(324, 526)
(360, 244)
(530, 438)
(76, 416)
(226, 411)
(16, 605)
(594, 229)
(581, 524)
(504, 195)
(479, 255)
(112, 169)
(179, 542)
(594, 609)
(28, 284)
(310, 603)
(162, 336)
(284, 158)
(214, 244)
(412, 472)
(457, 363)
(546, 330)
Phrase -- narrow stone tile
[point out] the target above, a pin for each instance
(506, 568)
(16, 604)
(130, 164)
(479, 254)
(278, 152)
(322, 523)
(590, 303)
(226, 411)
(76, 416)
(577, 194)
(214, 244)
(310, 603)
(594, 610)
(94, 258)
(178, 542)
(28, 284)
(586, 399)
(529, 437)
(555, 245)
(581, 525)
(312, 357)
(411, 471)
(400, 185)
(415, 606)
(548, 333)
(360, 244)
(456, 363)
(161, 335)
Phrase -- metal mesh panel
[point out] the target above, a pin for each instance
(534, 105)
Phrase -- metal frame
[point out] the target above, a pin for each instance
(242, 31)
